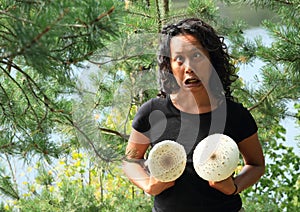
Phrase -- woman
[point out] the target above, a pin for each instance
(195, 101)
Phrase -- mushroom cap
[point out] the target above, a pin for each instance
(167, 160)
(216, 157)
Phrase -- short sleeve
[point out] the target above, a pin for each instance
(240, 122)
(247, 125)
(141, 120)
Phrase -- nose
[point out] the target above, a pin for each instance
(187, 67)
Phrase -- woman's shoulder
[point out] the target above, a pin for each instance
(155, 101)
(235, 105)
(154, 104)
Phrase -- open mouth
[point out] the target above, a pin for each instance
(192, 81)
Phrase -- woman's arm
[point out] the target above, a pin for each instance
(254, 167)
(252, 171)
(135, 151)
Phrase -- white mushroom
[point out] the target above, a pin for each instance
(167, 160)
(216, 157)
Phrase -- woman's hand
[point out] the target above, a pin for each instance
(226, 186)
(253, 169)
(155, 187)
(135, 150)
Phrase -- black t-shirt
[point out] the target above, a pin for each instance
(159, 120)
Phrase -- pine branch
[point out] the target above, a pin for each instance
(114, 132)
(90, 142)
(85, 25)
(7, 96)
(36, 38)
(5, 38)
(20, 87)
(64, 48)
(76, 60)
(2, 106)
(9, 30)
(46, 100)
(140, 14)
(41, 34)
(75, 36)
(262, 99)
(11, 171)
(24, 94)
(16, 122)
(29, 2)
(114, 59)
(286, 2)
(128, 112)
(7, 188)
(103, 15)
(294, 59)
(3, 12)
(285, 38)
(32, 87)
(6, 146)
(158, 15)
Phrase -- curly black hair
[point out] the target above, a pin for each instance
(214, 44)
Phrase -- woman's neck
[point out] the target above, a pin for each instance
(194, 102)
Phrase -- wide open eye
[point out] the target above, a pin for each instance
(198, 55)
(179, 59)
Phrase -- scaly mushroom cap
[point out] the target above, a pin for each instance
(216, 157)
(167, 160)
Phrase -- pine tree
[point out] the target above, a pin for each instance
(277, 88)
(104, 52)
(41, 42)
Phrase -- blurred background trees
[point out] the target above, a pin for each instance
(74, 73)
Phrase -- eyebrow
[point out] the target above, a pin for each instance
(193, 49)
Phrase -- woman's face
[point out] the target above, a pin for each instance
(190, 63)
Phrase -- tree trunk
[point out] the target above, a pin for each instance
(166, 7)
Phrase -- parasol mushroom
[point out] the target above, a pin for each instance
(167, 160)
(216, 157)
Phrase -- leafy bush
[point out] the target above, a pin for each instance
(75, 185)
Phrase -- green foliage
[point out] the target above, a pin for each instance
(297, 107)
(74, 184)
(262, 203)
(206, 9)
(277, 86)
(74, 73)
(41, 42)
(7, 187)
